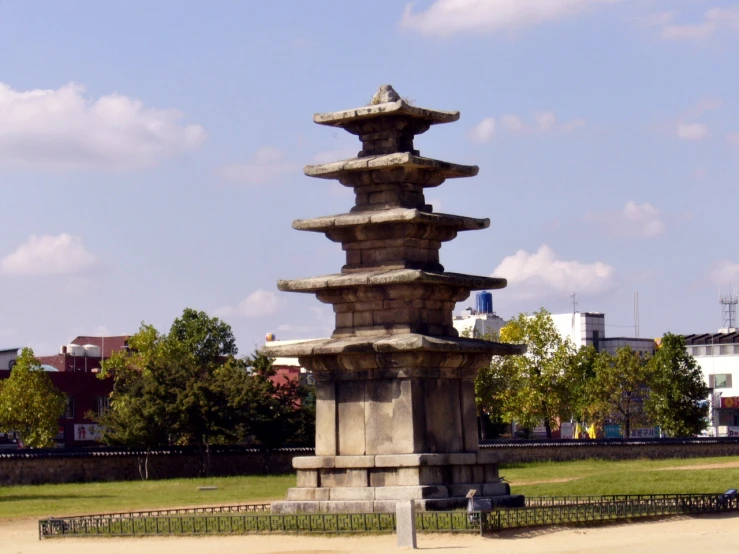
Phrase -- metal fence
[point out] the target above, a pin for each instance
(251, 518)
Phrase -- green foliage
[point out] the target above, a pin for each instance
(619, 388)
(533, 387)
(188, 388)
(29, 403)
(678, 400)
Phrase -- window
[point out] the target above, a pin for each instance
(719, 381)
(723, 349)
(697, 351)
(103, 404)
(709, 350)
(69, 410)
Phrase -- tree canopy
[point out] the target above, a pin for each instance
(678, 403)
(30, 404)
(188, 387)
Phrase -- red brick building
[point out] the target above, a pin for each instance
(74, 371)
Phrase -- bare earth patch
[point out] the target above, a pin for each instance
(678, 536)
(719, 465)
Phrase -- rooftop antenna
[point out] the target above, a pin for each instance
(728, 308)
(636, 315)
(574, 302)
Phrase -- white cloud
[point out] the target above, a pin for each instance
(546, 121)
(541, 274)
(63, 129)
(512, 123)
(692, 131)
(49, 255)
(714, 20)
(724, 272)
(483, 131)
(633, 220)
(260, 303)
(543, 122)
(445, 18)
(267, 164)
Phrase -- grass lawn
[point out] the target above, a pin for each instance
(91, 498)
(585, 477)
(599, 477)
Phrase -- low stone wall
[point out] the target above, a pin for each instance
(30, 467)
(36, 467)
(616, 449)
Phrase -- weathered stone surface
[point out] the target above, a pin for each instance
(307, 478)
(391, 277)
(396, 215)
(411, 493)
(352, 493)
(307, 494)
(496, 489)
(326, 422)
(405, 523)
(313, 462)
(398, 108)
(347, 477)
(396, 416)
(354, 461)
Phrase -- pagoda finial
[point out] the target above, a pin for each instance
(386, 93)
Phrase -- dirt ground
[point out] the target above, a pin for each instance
(705, 534)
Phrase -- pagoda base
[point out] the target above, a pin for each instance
(375, 483)
(388, 506)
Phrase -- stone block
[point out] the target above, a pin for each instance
(463, 489)
(354, 461)
(478, 473)
(326, 424)
(398, 460)
(344, 478)
(348, 507)
(410, 493)
(352, 493)
(443, 415)
(350, 410)
(461, 474)
(496, 489)
(307, 478)
(313, 462)
(401, 476)
(379, 416)
(491, 473)
(405, 523)
(469, 415)
(489, 456)
(307, 494)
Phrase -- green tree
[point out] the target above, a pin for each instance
(29, 402)
(531, 388)
(620, 387)
(678, 402)
(187, 387)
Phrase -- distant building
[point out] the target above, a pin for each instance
(589, 329)
(8, 357)
(481, 321)
(288, 369)
(717, 355)
(74, 372)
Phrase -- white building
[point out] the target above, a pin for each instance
(589, 329)
(8, 357)
(717, 355)
(481, 321)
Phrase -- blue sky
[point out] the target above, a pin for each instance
(151, 155)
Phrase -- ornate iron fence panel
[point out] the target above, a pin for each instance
(539, 511)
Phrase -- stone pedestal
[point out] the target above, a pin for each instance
(395, 402)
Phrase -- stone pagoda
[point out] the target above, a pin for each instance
(395, 398)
